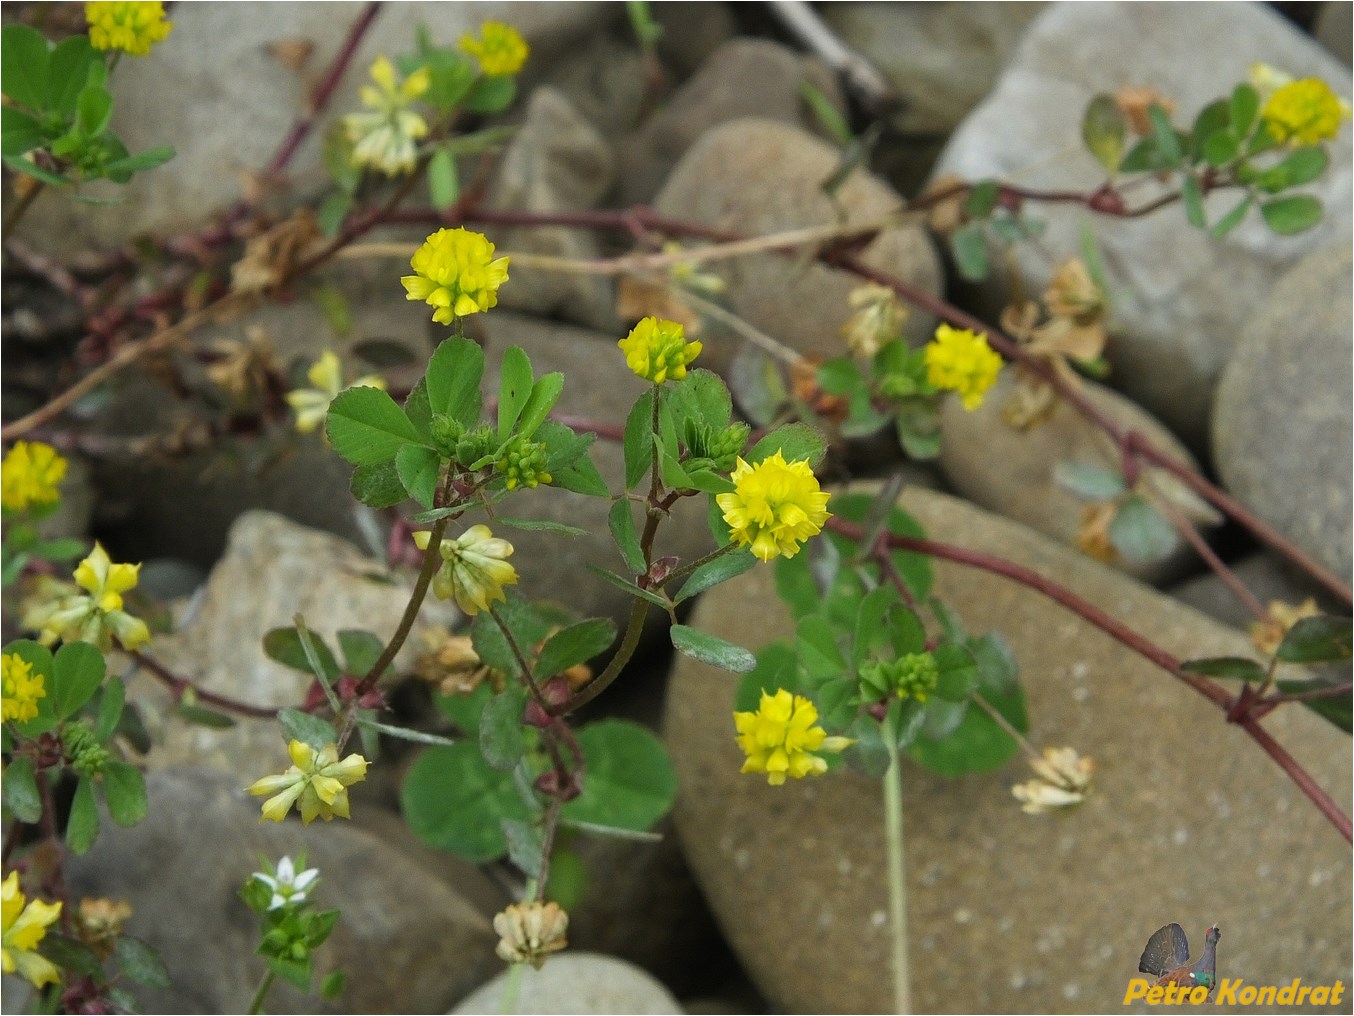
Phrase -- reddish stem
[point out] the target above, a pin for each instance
(179, 686)
(324, 91)
(1128, 637)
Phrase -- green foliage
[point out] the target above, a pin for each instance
(60, 105)
(710, 649)
(630, 783)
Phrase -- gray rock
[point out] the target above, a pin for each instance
(691, 32)
(181, 870)
(641, 904)
(1334, 28)
(1281, 420)
(574, 982)
(1189, 820)
(941, 58)
(557, 162)
(758, 177)
(214, 92)
(1015, 473)
(742, 78)
(273, 569)
(1180, 298)
(602, 76)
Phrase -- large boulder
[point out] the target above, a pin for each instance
(1282, 422)
(757, 176)
(1181, 298)
(1189, 820)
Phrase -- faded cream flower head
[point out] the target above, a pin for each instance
(529, 932)
(1063, 779)
(385, 137)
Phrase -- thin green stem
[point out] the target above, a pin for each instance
(512, 987)
(687, 569)
(261, 993)
(893, 835)
(528, 678)
(431, 559)
(1005, 725)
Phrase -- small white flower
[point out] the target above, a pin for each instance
(288, 886)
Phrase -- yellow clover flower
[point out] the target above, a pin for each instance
(774, 506)
(384, 138)
(24, 926)
(457, 274)
(1304, 112)
(133, 27)
(22, 688)
(500, 49)
(780, 738)
(316, 778)
(474, 568)
(30, 474)
(962, 361)
(94, 615)
(657, 350)
(311, 404)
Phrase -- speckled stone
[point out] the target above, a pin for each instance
(576, 982)
(1189, 820)
(1282, 423)
(757, 176)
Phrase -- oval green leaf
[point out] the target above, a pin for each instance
(709, 649)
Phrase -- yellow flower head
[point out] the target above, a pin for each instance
(657, 350)
(24, 926)
(30, 474)
(500, 49)
(384, 138)
(457, 274)
(962, 362)
(22, 688)
(775, 505)
(93, 611)
(129, 26)
(1304, 112)
(780, 738)
(316, 778)
(474, 568)
(311, 404)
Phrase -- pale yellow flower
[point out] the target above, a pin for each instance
(312, 404)
(1063, 779)
(384, 138)
(25, 924)
(61, 611)
(317, 779)
(474, 568)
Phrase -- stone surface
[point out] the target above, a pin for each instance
(557, 162)
(598, 388)
(272, 570)
(758, 177)
(1282, 422)
(1189, 820)
(1334, 28)
(232, 102)
(742, 78)
(941, 58)
(642, 905)
(408, 940)
(1181, 299)
(576, 982)
(1014, 472)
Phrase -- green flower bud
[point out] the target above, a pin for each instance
(727, 445)
(917, 676)
(447, 432)
(88, 757)
(522, 463)
(475, 445)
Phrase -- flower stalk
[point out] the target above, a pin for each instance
(897, 876)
